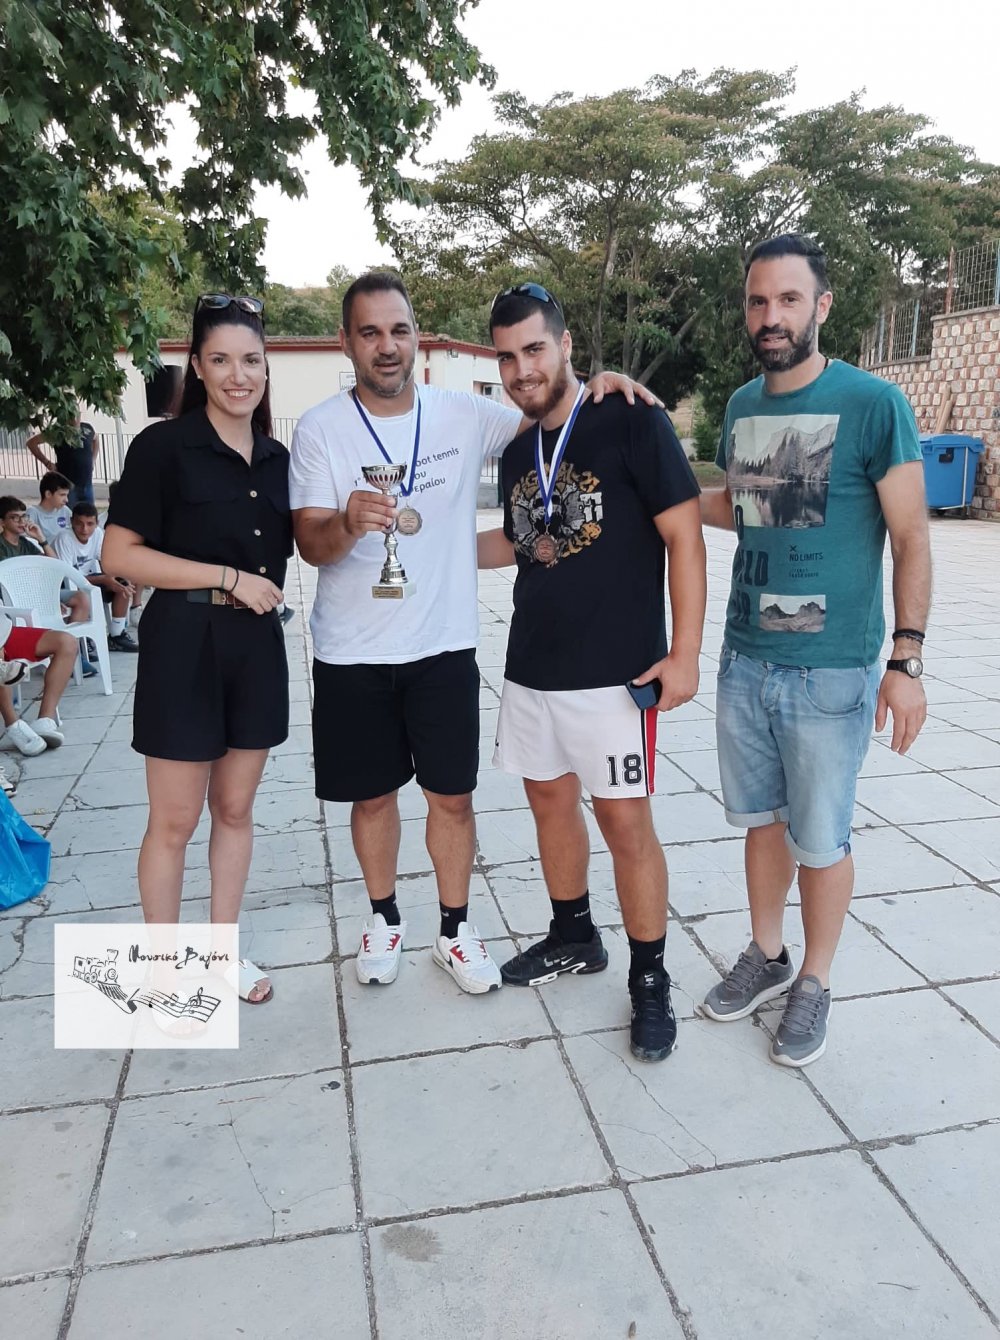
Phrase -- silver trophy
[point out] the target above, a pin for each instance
(393, 583)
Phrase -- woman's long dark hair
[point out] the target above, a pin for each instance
(192, 392)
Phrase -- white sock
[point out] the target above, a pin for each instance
(118, 626)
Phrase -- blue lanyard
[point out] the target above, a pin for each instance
(547, 480)
(405, 489)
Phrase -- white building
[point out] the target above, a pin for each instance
(306, 369)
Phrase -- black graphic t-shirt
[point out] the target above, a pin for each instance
(589, 599)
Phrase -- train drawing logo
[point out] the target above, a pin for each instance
(102, 974)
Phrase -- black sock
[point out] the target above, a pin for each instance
(573, 920)
(388, 908)
(782, 957)
(450, 919)
(647, 956)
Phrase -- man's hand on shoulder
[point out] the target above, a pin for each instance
(610, 383)
(905, 699)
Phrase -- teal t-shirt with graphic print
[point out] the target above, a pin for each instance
(802, 469)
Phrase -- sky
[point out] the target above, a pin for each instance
(925, 57)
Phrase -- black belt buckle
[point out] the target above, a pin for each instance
(199, 597)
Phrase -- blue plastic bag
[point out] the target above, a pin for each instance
(24, 857)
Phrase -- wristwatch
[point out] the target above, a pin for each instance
(912, 666)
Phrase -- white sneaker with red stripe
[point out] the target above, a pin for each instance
(378, 956)
(468, 960)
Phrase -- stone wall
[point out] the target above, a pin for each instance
(965, 356)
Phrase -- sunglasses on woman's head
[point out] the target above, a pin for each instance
(216, 302)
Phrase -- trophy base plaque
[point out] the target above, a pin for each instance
(387, 591)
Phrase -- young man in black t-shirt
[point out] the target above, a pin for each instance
(594, 498)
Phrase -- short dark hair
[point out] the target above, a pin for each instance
(51, 482)
(375, 281)
(793, 244)
(511, 307)
(10, 504)
(84, 509)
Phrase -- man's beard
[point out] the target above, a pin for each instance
(557, 389)
(388, 391)
(782, 359)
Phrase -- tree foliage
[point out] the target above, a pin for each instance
(639, 209)
(87, 91)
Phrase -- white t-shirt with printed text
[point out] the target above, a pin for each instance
(458, 431)
(85, 557)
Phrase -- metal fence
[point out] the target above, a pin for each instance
(905, 330)
(17, 462)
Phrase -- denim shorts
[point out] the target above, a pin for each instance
(791, 744)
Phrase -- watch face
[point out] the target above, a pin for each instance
(913, 666)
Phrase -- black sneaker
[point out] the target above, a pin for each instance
(653, 1034)
(123, 643)
(544, 961)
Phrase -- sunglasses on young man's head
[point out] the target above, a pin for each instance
(217, 302)
(535, 291)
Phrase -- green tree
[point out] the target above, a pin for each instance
(598, 199)
(86, 92)
(883, 197)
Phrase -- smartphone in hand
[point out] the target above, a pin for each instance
(645, 696)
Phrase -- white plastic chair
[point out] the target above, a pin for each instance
(33, 584)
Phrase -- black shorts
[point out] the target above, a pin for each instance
(210, 678)
(376, 726)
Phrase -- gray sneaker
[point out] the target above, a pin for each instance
(801, 1035)
(752, 981)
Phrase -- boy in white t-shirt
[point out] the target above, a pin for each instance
(80, 547)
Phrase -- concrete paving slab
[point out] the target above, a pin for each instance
(285, 927)
(221, 1166)
(35, 1309)
(922, 798)
(35, 1074)
(983, 781)
(564, 1269)
(278, 862)
(947, 934)
(523, 898)
(295, 1033)
(690, 817)
(50, 1161)
(308, 1288)
(450, 1122)
(972, 847)
(982, 1000)
(713, 1100)
(887, 860)
(901, 1064)
(425, 1010)
(779, 1229)
(950, 1184)
(955, 749)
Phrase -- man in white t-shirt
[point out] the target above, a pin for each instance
(396, 683)
(80, 547)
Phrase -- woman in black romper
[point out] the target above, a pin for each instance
(201, 514)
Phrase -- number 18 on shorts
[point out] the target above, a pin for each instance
(598, 734)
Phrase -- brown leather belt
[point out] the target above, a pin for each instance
(211, 596)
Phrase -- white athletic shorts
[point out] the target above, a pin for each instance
(599, 734)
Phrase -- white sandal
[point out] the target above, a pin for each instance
(243, 976)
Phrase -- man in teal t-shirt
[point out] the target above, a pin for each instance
(821, 461)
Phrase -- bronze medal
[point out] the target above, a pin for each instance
(545, 548)
(408, 521)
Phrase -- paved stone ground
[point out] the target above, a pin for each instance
(412, 1162)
